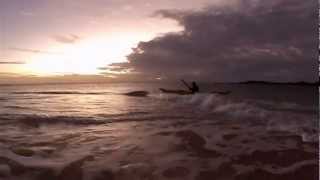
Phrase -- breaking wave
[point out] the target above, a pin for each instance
(225, 104)
(275, 116)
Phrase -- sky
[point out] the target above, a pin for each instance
(207, 40)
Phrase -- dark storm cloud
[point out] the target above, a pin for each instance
(35, 51)
(66, 39)
(255, 40)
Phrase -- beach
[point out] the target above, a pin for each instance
(96, 132)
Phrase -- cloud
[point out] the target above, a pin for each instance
(27, 13)
(13, 79)
(11, 62)
(115, 68)
(272, 40)
(66, 39)
(36, 51)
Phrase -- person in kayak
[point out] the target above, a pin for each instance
(194, 88)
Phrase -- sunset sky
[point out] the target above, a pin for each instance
(237, 40)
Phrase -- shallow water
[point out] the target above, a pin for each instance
(94, 131)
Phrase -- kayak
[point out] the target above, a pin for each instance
(221, 92)
(137, 93)
(184, 92)
(180, 92)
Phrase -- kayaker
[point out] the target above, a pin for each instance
(194, 88)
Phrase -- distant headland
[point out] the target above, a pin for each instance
(300, 83)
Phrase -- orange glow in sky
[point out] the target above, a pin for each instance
(86, 35)
(85, 57)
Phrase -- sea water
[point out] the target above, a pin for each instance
(94, 131)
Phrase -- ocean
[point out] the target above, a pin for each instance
(96, 132)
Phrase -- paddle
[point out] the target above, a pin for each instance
(186, 84)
